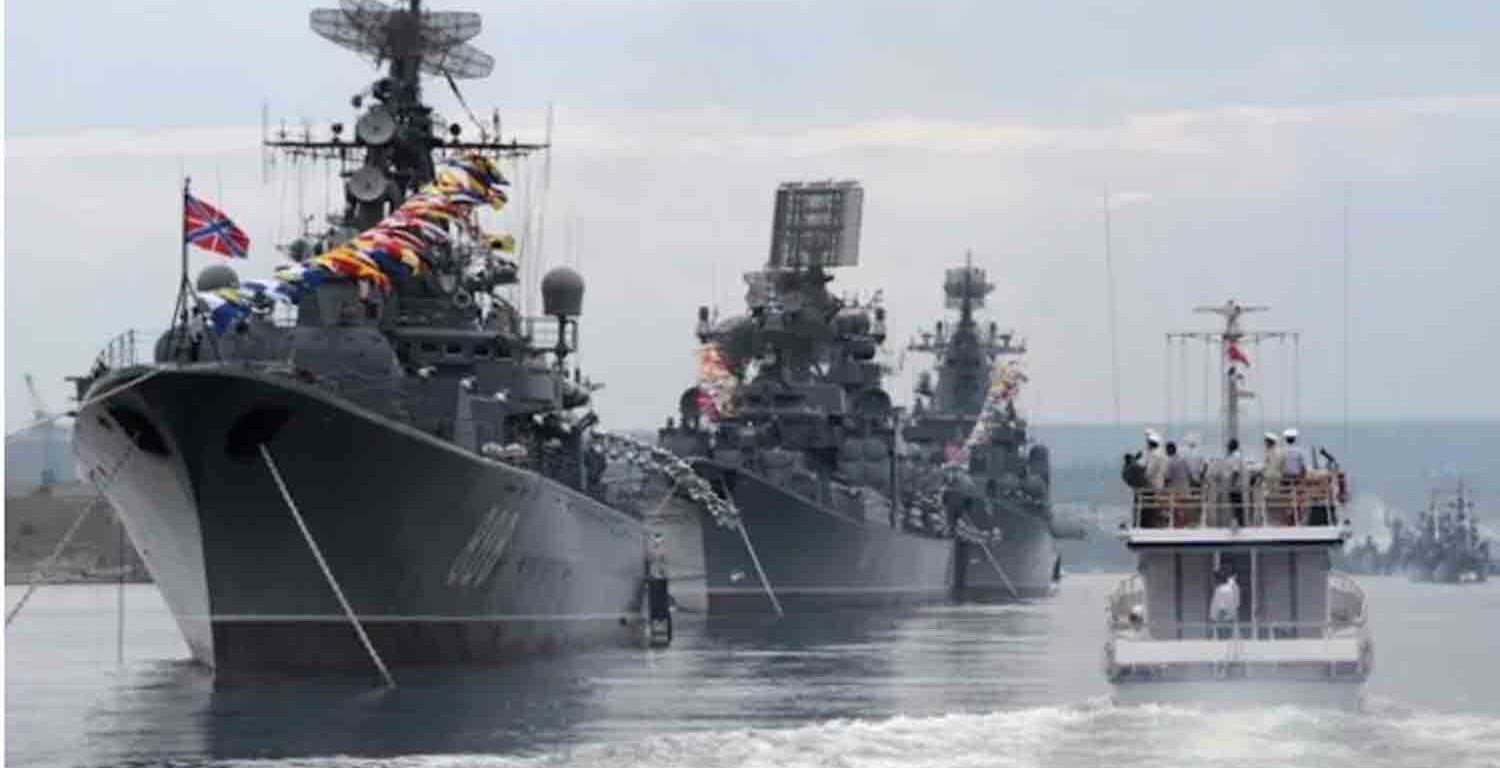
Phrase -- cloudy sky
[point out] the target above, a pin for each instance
(1227, 139)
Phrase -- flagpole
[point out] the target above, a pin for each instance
(187, 182)
(179, 322)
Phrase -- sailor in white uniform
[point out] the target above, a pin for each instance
(1224, 608)
(1293, 458)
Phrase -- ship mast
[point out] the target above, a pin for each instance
(1229, 341)
(964, 355)
(391, 152)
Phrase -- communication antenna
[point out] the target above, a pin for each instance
(1109, 278)
(1348, 193)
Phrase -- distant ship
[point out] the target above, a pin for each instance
(374, 457)
(1446, 546)
(790, 423)
(968, 419)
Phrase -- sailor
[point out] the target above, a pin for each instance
(1146, 472)
(1230, 478)
(1293, 458)
(1179, 476)
(1224, 608)
(1269, 475)
(1270, 466)
(1197, 465)
(1155, 461)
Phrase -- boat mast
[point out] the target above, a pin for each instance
(1230, 339)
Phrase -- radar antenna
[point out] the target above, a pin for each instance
(436, 41)
(391, 153)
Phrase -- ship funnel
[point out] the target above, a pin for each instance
(562, 293)
(217, 276)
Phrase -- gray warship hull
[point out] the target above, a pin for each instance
(814, 557)
(1028, 562)
(446, 557)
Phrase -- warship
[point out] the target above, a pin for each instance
(791, 425)
(1446, 546)
(374, 457)
(967, 419)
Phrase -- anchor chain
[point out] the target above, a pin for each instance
(674, 469)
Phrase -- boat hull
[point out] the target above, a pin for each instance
(1026, 556)
(1243, 693)
(813, 558)
(445, 557)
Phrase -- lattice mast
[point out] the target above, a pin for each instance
(1231, 341)
(391, 153)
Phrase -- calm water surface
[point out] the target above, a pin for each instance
(1008, 685)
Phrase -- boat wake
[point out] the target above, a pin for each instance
(1093, 733)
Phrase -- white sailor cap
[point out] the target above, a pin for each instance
(1271, 436)
(1152, 436)
(1290, 433)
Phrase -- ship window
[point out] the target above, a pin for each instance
(428, 346)
(140, 429)
(482, 350)
(455, 349)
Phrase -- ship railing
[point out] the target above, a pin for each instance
(1308, 501)
(1346, 616)
(125, 349)
(1143, 629)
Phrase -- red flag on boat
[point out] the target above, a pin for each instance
(1235, 354)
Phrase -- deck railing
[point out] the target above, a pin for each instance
(1312, 500)
(1126, 617)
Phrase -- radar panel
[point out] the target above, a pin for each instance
(817, 224)
(969, 283)
(438, 40)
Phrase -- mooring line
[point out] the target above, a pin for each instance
(359, 629)
(996, 563)
(46, 566)
(750, 548)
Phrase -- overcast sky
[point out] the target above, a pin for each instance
(1227, 136)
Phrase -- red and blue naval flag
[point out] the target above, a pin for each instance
(208, 228)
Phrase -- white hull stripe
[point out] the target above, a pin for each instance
(780, 590)
(245, 618)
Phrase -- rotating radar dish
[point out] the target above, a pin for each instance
(367, 184)
(438, 40)
(376, 127)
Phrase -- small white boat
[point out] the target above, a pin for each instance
(1235, 601)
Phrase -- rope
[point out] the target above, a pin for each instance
(1297, 379)
(36, 576)
(996, 565)
(1167, 417)
(754, 559)
(84, 404)
(265, 453)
